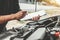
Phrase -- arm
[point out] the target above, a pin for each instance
(6, 18)
(17, 15)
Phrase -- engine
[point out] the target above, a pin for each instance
(46, 29)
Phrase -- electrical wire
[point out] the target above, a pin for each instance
(50, 23)
(57, 22)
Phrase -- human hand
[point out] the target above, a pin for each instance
(36, 18)
(20, 14)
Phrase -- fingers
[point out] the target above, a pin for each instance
(36, 18)
(20, 14)
(23, 11)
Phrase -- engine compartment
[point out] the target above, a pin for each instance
(46, 29)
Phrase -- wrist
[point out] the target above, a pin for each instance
(13, 16)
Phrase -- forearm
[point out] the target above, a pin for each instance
(17, 15)
(6, 18)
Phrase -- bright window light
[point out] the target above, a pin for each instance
(57, 1)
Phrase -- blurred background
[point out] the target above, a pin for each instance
(45, 2)
(37, 5)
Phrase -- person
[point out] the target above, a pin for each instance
(9, 10)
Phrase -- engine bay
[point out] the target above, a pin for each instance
(46, 29)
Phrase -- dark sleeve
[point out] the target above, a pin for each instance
(9, 6)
